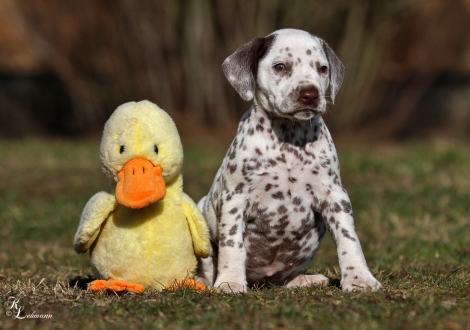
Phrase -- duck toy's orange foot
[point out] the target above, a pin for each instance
(98, 286)
(189, 283)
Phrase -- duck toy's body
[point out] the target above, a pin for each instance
(149, 233)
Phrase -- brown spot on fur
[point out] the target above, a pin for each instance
(324, 205)
(232, 168)
(346, 206)
(282, 209)
(346, 234)
(278, 195)
(233, 230)
(239, 187)
(336, 208)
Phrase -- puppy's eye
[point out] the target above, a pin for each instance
(155, 148)
(323, 69)
(121, 149)
(280, 67)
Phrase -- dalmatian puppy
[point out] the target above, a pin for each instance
(279, 189)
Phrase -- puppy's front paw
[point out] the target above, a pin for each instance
(357, 281)
(230, 287)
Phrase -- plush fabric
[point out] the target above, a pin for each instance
(149, 232)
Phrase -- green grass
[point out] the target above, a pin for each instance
(412, 211)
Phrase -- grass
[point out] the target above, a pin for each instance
(412, 212)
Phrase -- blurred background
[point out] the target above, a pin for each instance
(401, 124)
(65, 65)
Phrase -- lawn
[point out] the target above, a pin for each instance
(412, 211)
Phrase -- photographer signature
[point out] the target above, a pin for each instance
(16, 311)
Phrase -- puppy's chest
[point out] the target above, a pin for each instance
(277, 182)
(276, 170)
(281, 169)
(275, 173)
(276, 160)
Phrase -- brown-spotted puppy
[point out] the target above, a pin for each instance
(279, 186)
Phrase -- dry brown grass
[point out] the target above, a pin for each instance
(411, 205)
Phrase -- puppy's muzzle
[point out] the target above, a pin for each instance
(307, 100)
(308, 97)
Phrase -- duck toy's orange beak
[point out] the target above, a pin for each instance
(140, 184)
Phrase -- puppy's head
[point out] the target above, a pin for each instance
(288, 73)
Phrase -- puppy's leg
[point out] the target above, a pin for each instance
(206, 268)
(226, 264)
(231, 276)
(355, 274)
(231, 271)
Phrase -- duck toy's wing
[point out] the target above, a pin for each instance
(96, 211)
(197, 226)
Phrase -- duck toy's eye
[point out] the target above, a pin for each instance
(121, 149)
(155, 148)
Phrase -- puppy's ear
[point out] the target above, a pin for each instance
(241, 68)
(336, 70)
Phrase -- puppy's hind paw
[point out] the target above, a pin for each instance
(308, 280)
(230, 287)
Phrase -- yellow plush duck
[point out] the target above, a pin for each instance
(149, 233)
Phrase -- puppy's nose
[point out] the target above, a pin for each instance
(308, 96)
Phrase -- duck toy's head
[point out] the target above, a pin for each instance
(141, 152)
